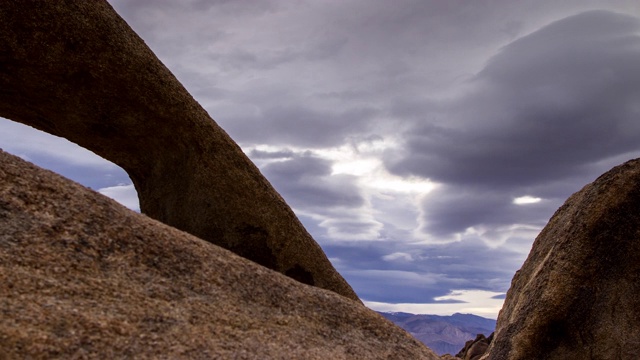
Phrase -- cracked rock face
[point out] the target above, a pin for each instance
(83, 277)
(578, 293)
(75, 69)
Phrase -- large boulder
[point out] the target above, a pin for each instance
(577, 296)
(83, 277)
(75, 69)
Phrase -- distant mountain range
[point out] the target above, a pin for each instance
(443, 334)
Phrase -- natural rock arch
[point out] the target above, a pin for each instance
(83, 277)
(76, 69)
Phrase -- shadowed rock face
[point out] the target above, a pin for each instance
(578, 293)
(75, 69)
(83, 277)
(474, 349)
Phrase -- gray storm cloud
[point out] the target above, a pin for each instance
(546, 106)
(309, 183)
(540, 114)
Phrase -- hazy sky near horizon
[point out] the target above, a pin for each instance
(424, 144)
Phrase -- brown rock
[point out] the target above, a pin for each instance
(474, 349)
(75, 69)
(449, 357)
(578, 293)
(83, 277)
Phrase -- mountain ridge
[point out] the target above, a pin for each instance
(442, 333)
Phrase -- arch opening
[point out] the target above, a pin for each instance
(69, 160)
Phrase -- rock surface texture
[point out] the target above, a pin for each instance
(83, 277)
(75, 69)
(577, 295)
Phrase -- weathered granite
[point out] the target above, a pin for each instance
(75, 69)
(578, 293)
(83, 277)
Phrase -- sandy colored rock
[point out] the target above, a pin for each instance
(75, 69)
(83, 277)
(578, 293)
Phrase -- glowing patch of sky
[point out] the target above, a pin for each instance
(525, 200)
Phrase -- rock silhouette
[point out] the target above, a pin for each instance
(75, 69)
(578, 293)
(83, 277)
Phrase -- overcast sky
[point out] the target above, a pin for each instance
(424, 144)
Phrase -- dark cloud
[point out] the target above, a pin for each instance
(419, 274)
(333, 206)
(548, 105)
(534, 121)
(305, 182)
(451, 210)
(299, 126)
(283, 154)
(144, 15)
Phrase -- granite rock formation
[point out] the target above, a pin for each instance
(83, 277)
(578, 293)
(75, 69)
(474, 349)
